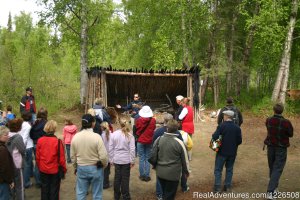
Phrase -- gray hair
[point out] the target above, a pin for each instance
(3, 130)
(167, 117)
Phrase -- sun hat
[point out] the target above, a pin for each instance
(146, 112)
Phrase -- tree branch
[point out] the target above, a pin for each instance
(70, 27)
(94, 22)
(70, 8)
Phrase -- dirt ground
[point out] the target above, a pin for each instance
(250, 170)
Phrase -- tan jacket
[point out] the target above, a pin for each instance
(87, 148)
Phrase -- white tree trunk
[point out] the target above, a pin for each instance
(83, 58)
(279, 91)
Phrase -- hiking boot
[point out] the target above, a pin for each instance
(227, 188)
(187, 189)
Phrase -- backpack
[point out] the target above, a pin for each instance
(235, 118)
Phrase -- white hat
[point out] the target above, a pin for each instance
(179, 97)
(146, 112)
(229, 113)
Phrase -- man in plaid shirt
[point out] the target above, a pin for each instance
(279, 132)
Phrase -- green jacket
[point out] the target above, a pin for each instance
(172, 157)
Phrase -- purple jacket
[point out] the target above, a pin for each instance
(121, 148)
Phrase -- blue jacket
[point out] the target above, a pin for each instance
(231, 138)
(131, 107)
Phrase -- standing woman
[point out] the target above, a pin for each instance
(47, 162)
(122, 155)
(145, 126)
(36, 132)
(6, 165)
(17, 149)
(106, 135)
(24, 132)
(187, 117)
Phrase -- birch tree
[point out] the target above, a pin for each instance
(279, 92)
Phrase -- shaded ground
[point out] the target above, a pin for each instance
(250, 171)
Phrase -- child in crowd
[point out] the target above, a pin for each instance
(106, 137)
(122, 155)
(9, 114)
(68, 132)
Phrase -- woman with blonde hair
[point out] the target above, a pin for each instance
(48, 148)
(106, 137)
(122, 155)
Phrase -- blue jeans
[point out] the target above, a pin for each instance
(144, 151)
(28, 167)
(86, 176)
(219, 164)
(68, 146)
(4, 191)
(33, 118)
(159, 192)
(36, 169)
(276, 160)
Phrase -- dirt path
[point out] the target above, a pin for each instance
(250, 170)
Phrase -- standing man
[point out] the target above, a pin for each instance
(133, 107)
(279, 132)
(237, 117)
(231, 138)
(28, 103)
(172, 160)
(89, 157)
(179, 99)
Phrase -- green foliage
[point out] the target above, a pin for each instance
(154, 35)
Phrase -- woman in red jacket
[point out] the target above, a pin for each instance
(187, 117)
(47, 162)
(145, 126)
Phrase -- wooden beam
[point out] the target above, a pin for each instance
(145, 74)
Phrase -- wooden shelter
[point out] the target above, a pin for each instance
(155, 88)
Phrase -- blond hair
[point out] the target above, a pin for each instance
(98, 101)
(105, 127)
(92, 112)
(125, 126)
(186, 101)
(3, 130)
(50, 126)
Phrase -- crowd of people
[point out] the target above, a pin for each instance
(29, 147)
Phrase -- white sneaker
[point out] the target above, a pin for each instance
(270, 196)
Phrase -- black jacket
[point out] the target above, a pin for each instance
(231, 138)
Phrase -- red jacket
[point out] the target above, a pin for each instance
(188, 121)
(145, 134)
(46, 154)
